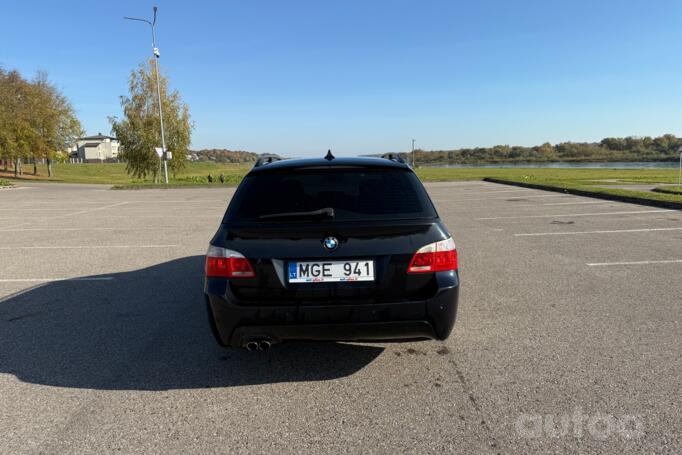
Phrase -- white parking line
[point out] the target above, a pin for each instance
(83, 247)
(666, 261)
(573, 214)
(518, 206)
(59, 202)
(520, 197)
(149, 228)
(501, 191)
(56, 202)
(38, 209)
(184, 216)
(45, 280)
(189, 201)
(580, 202)
(80, 212)
(534, 234)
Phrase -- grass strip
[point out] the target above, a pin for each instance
(671, 201)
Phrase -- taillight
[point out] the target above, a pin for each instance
(434, 257)
(221, 262)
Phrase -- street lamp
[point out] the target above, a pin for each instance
(155, 52)
(413, 153)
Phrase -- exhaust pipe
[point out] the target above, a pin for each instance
(252, 346)
(264, 345)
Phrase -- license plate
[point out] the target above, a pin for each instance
(331, 271)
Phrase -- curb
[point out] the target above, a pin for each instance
(662, 191)
(593, 194)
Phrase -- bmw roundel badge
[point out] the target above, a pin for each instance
(330, 243)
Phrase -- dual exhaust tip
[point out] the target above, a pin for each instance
(258, 345)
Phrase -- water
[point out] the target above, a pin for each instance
(569, 165)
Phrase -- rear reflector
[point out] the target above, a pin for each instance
(434, 257)
(221, 262)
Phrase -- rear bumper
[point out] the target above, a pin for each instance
(235, 325)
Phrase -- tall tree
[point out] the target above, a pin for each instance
(36, 120)
(54, 121)
(16, 134)
(138, 131)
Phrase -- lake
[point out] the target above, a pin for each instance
(569, 165)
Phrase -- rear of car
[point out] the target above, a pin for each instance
(344, 249)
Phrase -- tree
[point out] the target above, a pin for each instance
(614, 143)
(546, 151)
(138, 131)
(54, 121)
(36, 120)
(16, 134)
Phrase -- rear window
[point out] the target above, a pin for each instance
(354, 195)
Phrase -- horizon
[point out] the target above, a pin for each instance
(366, 79)
(417, 149)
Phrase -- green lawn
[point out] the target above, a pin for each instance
(573, 176)
(578, 179)
(4, 183)
(592, 180)
(115, 174)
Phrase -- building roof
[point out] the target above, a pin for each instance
(98, 136)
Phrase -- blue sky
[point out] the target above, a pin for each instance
(299, 77)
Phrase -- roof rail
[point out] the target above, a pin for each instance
(266, 159)
(393, 157)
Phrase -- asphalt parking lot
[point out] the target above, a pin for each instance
(568, 336)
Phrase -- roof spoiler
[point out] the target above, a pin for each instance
(266, 159)
(393, 157)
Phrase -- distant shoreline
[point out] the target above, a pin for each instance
(587, 164)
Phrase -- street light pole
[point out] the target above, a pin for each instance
(155, 53)
(412, 153)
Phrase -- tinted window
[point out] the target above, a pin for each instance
(355, 195)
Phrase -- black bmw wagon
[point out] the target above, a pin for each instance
(330, 249)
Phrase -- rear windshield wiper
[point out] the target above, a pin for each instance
(326, 212)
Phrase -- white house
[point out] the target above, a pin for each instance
(99, 148)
